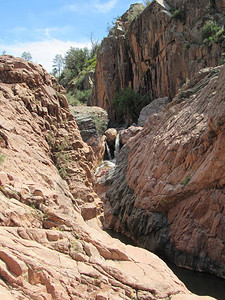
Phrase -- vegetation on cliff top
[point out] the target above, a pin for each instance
(120, 25)
(71, 72)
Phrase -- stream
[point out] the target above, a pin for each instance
(202, 284)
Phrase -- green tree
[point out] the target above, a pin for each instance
(75, 59)
(211, 31)
(58, 64)
(78, 63)
(26, 56)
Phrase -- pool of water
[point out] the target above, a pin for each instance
(202, 284)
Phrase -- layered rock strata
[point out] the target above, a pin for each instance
(47, 250)
(168, 189)
(158, 52)
(92, 123)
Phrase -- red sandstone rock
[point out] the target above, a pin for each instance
(47, 250)
(170, 196)
(157, 53)
(128, 133)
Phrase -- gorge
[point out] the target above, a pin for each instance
(166, 191)
(51, 245)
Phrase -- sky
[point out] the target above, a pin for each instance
(49, 27)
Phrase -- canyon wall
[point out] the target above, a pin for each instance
(51, 247)
(158, 52)
(168, 189)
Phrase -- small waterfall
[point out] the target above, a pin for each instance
(108, 150)
(117, 146)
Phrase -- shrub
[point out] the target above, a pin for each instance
(62, 161)
(186, 180)
(187, 45)
(2, 158)
(100, 124)
(212, 32)
(178, 15)
(128, 104)
(78, 97)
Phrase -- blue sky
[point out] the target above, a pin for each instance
(49, 27)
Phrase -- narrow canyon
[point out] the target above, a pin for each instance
(165, 189)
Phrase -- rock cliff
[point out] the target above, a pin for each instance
(47, 250)
(168, 189)
(158, 52)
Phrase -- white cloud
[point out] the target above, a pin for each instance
(43, 52)
(105, 7)
(19, 33)
(95, 6)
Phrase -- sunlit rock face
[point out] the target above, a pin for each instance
(167, 191)
(157, 53)
(47, 250)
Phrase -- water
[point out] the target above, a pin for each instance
(112, 151)
(117, 146)
(108, 151)
(202, 284)
(105, 163)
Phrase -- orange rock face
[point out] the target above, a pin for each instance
(170, 194)
(47, 250)
(157, 54)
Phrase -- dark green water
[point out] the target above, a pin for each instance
(202, 284)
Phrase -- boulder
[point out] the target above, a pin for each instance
(111, 134)
(92, 123)
(156, 106)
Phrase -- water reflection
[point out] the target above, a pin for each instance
(202, 284)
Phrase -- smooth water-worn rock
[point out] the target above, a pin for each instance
(47, 250)
(167, 191)
(158, 53)
(111, 134)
